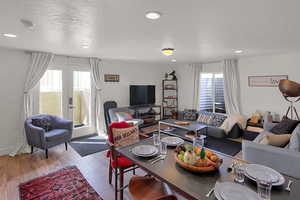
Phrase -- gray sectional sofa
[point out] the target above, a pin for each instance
(286, 159)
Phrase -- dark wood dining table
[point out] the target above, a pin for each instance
(196, 186)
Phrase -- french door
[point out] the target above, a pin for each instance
(67, 92)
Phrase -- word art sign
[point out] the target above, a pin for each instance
(265, 81)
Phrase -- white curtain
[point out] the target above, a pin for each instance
(39, 64)
(95, 64)
(231, 86)
(196, 69)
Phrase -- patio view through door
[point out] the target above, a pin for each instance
(67, 93)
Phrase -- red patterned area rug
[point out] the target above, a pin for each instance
(65, 184)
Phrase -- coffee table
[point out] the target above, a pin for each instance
(182, 130)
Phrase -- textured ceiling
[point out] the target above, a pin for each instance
(199, 30)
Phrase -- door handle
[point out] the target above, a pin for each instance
(72, 107)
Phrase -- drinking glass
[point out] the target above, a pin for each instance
(239, 173)
(163, 148)
(264, 188)
(156, 139)
(198, 142)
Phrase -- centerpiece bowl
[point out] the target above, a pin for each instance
(208, 163)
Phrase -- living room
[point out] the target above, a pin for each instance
(193, 63)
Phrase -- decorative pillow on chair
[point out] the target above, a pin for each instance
(125, 136)
(124, 116)
(286, 126)
(276, 140)
(42, 122)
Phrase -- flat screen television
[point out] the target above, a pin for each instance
(142, 95)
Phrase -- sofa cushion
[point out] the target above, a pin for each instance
(205, 117)
(55, 134)
(218, 120)
(275, 140)
(286, 126)
(189, 114)
(43, 122)
(295, 140)
(123, 116)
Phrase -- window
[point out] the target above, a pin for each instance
(212, 92)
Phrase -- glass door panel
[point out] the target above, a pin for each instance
(81, 98)
(50, 96)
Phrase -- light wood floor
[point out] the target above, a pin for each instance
(22, 168)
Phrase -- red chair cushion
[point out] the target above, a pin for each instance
(122, 162)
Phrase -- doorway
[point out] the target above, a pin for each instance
(67, 92)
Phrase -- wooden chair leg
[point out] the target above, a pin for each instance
(121, 176)
(116, 183)
(46, 152)
(66, 144)
(31, 150)
(110, 173)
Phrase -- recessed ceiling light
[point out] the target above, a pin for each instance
(168, 51)
(238, 51)
(174, 60)
(153, 15)
(9, 35)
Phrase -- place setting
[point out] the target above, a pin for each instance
(264, 177)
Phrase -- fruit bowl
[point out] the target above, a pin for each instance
(204, 168)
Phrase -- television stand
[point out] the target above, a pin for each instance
(151, 114)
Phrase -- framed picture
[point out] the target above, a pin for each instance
(111, 78)
(265, 81)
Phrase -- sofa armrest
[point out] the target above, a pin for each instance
(284, 160)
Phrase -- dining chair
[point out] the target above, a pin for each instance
(149, 188)
(121, 134)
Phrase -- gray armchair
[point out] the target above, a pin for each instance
(60, 131)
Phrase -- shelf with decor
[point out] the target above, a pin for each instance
(169, 99)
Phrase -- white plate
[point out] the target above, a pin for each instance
(144, 150)
(172, 141)
(234, 191)
(254, 171)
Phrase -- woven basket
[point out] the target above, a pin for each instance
(196, 169)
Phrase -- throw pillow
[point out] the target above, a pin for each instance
(205, 118)
(124, 116)
(218, 120)
(286, 126)
(42, 122)
(189, 114)
(125, 136)
(295, 139)
(276, 140)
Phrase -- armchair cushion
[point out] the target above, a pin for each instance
(43, 122)
(56, 134)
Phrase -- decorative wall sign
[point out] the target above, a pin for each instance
(111, 78)
(265, 81)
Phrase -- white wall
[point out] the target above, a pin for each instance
(267, 98)
(13, 66)
(132, 73)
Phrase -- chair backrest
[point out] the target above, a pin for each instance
(123, 134)
(108, 105)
